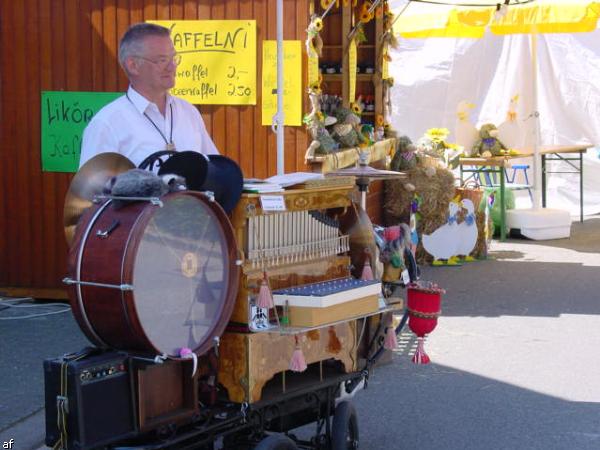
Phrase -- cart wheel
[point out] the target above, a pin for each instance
(344, 431)
(276, 441)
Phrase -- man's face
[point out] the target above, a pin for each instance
(155, 63)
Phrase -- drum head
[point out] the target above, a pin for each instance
(184, 274)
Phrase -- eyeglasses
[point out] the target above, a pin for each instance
(163, 61)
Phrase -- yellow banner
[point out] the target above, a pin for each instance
(385, 70)
(218, 60)
(352, 70)
(292, 83)
(313, 70)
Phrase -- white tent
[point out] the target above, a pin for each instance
(432, 76)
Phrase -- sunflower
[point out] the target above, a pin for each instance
(318, 24)
(365, 16)
(325, 3)
(379, 120)
(356, 109)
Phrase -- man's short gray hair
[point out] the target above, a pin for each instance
(131, 42)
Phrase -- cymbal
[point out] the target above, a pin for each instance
(88, 182)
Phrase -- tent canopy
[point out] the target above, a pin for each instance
(421, 20)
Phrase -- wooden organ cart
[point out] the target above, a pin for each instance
(166, 288)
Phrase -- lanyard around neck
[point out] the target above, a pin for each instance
(170, 145)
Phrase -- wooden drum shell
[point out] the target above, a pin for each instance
(108, 316)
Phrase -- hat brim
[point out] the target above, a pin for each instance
(190, 165)
(225, 180)
(219, 174)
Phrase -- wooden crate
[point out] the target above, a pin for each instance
(249, 360)
(311, 317)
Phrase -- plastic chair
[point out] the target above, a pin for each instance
(488, 178)
(511, 178)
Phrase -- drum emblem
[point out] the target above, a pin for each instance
(189, 265)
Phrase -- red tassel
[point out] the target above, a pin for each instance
(265, 298)
(390, 342)
(297, 363)
(420, 357)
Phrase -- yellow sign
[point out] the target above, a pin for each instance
(352, 70)
(218, 60)
(292, 85)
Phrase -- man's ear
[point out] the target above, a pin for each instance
(132, 66)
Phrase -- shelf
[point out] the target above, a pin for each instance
(338, 76)
(338, 46)
(349, 156)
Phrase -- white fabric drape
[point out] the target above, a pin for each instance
(433, 76)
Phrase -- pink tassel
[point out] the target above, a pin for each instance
(420, 357)
(265, 298)
(390, 342)
(367, 272)
(297, 363)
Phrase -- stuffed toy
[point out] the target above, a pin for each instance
(316, 122)
(488, 143)
(347, 129)
(405, 157)
(141, 183)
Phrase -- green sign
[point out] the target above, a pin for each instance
(64, 117)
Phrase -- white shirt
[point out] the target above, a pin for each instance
(122, 127)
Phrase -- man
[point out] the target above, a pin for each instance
(147, 118)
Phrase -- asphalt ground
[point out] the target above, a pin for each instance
(515, 358)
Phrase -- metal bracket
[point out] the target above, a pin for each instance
(154, 200)
(122, 287)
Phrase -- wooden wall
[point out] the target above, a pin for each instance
(71, 45)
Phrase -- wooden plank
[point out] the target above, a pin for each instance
(110, 38)
(21, 255)
(218, 118)
(8, 127)
(190, 10)
(32, 103)
(246, 117)
(3, 187)
(123, 21)
(232, 113)
(260, 148)
(271, 137)
(97, 47)
(176, 12)
(136, 11)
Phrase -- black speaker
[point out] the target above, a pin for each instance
(98, 403)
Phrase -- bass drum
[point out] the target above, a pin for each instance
(154, 278)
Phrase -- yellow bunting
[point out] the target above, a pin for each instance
(352, 70)
(313, 70)
(218, 61)
(385, 73)
(292, 86)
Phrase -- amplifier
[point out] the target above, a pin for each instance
(98, 404)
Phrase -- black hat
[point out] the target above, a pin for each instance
(218, 174)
